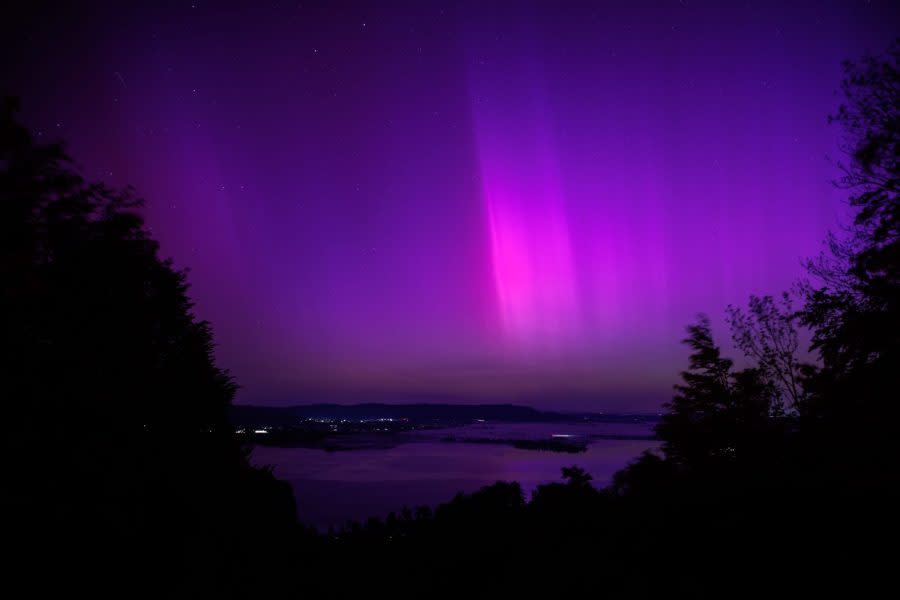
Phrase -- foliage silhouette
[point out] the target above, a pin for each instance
(767, 334)
(112, 393)
(717, 414)
(853, 303)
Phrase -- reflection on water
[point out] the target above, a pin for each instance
(334, 487)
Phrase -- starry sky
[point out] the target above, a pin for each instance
(478, 201)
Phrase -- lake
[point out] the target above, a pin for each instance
(332, 488)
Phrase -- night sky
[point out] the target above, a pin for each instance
(487, 201)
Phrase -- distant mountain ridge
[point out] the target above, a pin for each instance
(250, 415)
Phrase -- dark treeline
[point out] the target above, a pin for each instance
(120, 467)
(123, 475)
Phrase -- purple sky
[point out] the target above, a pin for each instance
(526, 202)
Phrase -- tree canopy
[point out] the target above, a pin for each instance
(853, 301)
(110, 388)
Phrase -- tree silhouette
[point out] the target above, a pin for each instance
(576, 476)
(116, 425)
(853, 305)
(766, 333)
(716, 413)
(95, 321)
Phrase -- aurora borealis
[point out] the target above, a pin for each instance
(478, 200)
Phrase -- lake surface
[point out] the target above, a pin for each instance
(332, 488)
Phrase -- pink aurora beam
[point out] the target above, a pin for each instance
(530, 246)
